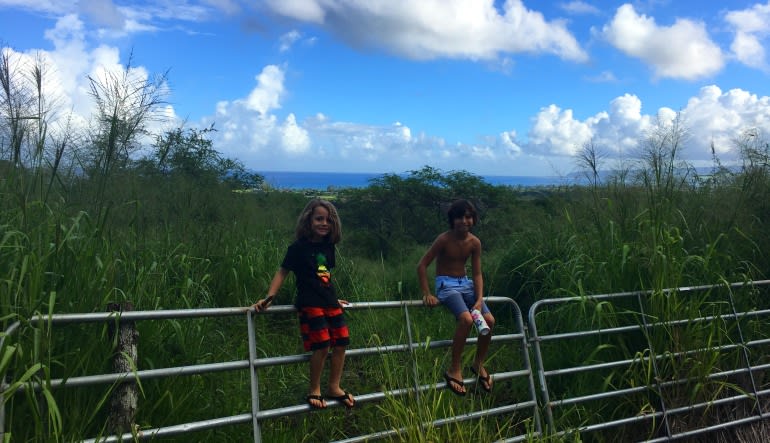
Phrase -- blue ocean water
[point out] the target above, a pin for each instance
(338, 180)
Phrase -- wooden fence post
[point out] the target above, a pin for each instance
(124, 398)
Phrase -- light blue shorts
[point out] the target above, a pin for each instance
(456, 293)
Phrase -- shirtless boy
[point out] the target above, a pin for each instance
(457, 292)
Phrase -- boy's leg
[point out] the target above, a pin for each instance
(315, 338)
(317, 360)
(340, 338)
(482, 349)
(453, 300)
(335, 375)
(464, 324)
(335, 370)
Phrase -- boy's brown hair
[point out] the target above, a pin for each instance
(458, 210)
(304, 222)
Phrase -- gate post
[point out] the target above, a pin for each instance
(124, 397)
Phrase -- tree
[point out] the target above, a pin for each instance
(126, 102)
(589, 160)
(411, 208)
(189, 153)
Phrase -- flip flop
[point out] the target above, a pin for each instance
(314, 397)
(483, 381)
(343, 399)
(451, 386)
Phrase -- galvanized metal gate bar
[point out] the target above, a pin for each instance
(743, 344)
(526, 372)
(253, 364)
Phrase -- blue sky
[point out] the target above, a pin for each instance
(492, 88)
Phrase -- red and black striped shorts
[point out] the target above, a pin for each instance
(322, 327)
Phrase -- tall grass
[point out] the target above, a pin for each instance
(163, 244)
(645, 228)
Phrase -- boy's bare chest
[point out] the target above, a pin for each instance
(458, 250)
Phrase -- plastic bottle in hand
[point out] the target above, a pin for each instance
(478, 320)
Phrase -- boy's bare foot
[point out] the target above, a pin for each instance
(316, 401)
(484, 380)
(456, 385)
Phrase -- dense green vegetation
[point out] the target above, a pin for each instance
(87, 218)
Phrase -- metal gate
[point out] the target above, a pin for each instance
(257, 415)
(659, 373)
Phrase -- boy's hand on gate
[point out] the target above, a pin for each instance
(429, 300)
(263, 304)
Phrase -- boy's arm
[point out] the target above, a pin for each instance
(422, 273)
(275, 285)
(478, 280)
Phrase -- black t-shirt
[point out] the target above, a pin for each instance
(312, 263)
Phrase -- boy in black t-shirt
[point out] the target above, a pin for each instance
(322, 321)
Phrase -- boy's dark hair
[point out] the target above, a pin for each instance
(304, 223)
(458, 210)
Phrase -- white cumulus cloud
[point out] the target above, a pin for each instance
(266, 96)
(712, 118)
(294, 139)
(429, 29)
(556, 131)
(555, 136)
(720, 117)
(752, 28)
(683, 50)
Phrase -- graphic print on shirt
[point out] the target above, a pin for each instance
(323, 274)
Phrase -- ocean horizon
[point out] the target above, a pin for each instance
(338, 180)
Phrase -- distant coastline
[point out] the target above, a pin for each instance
(338, 180)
